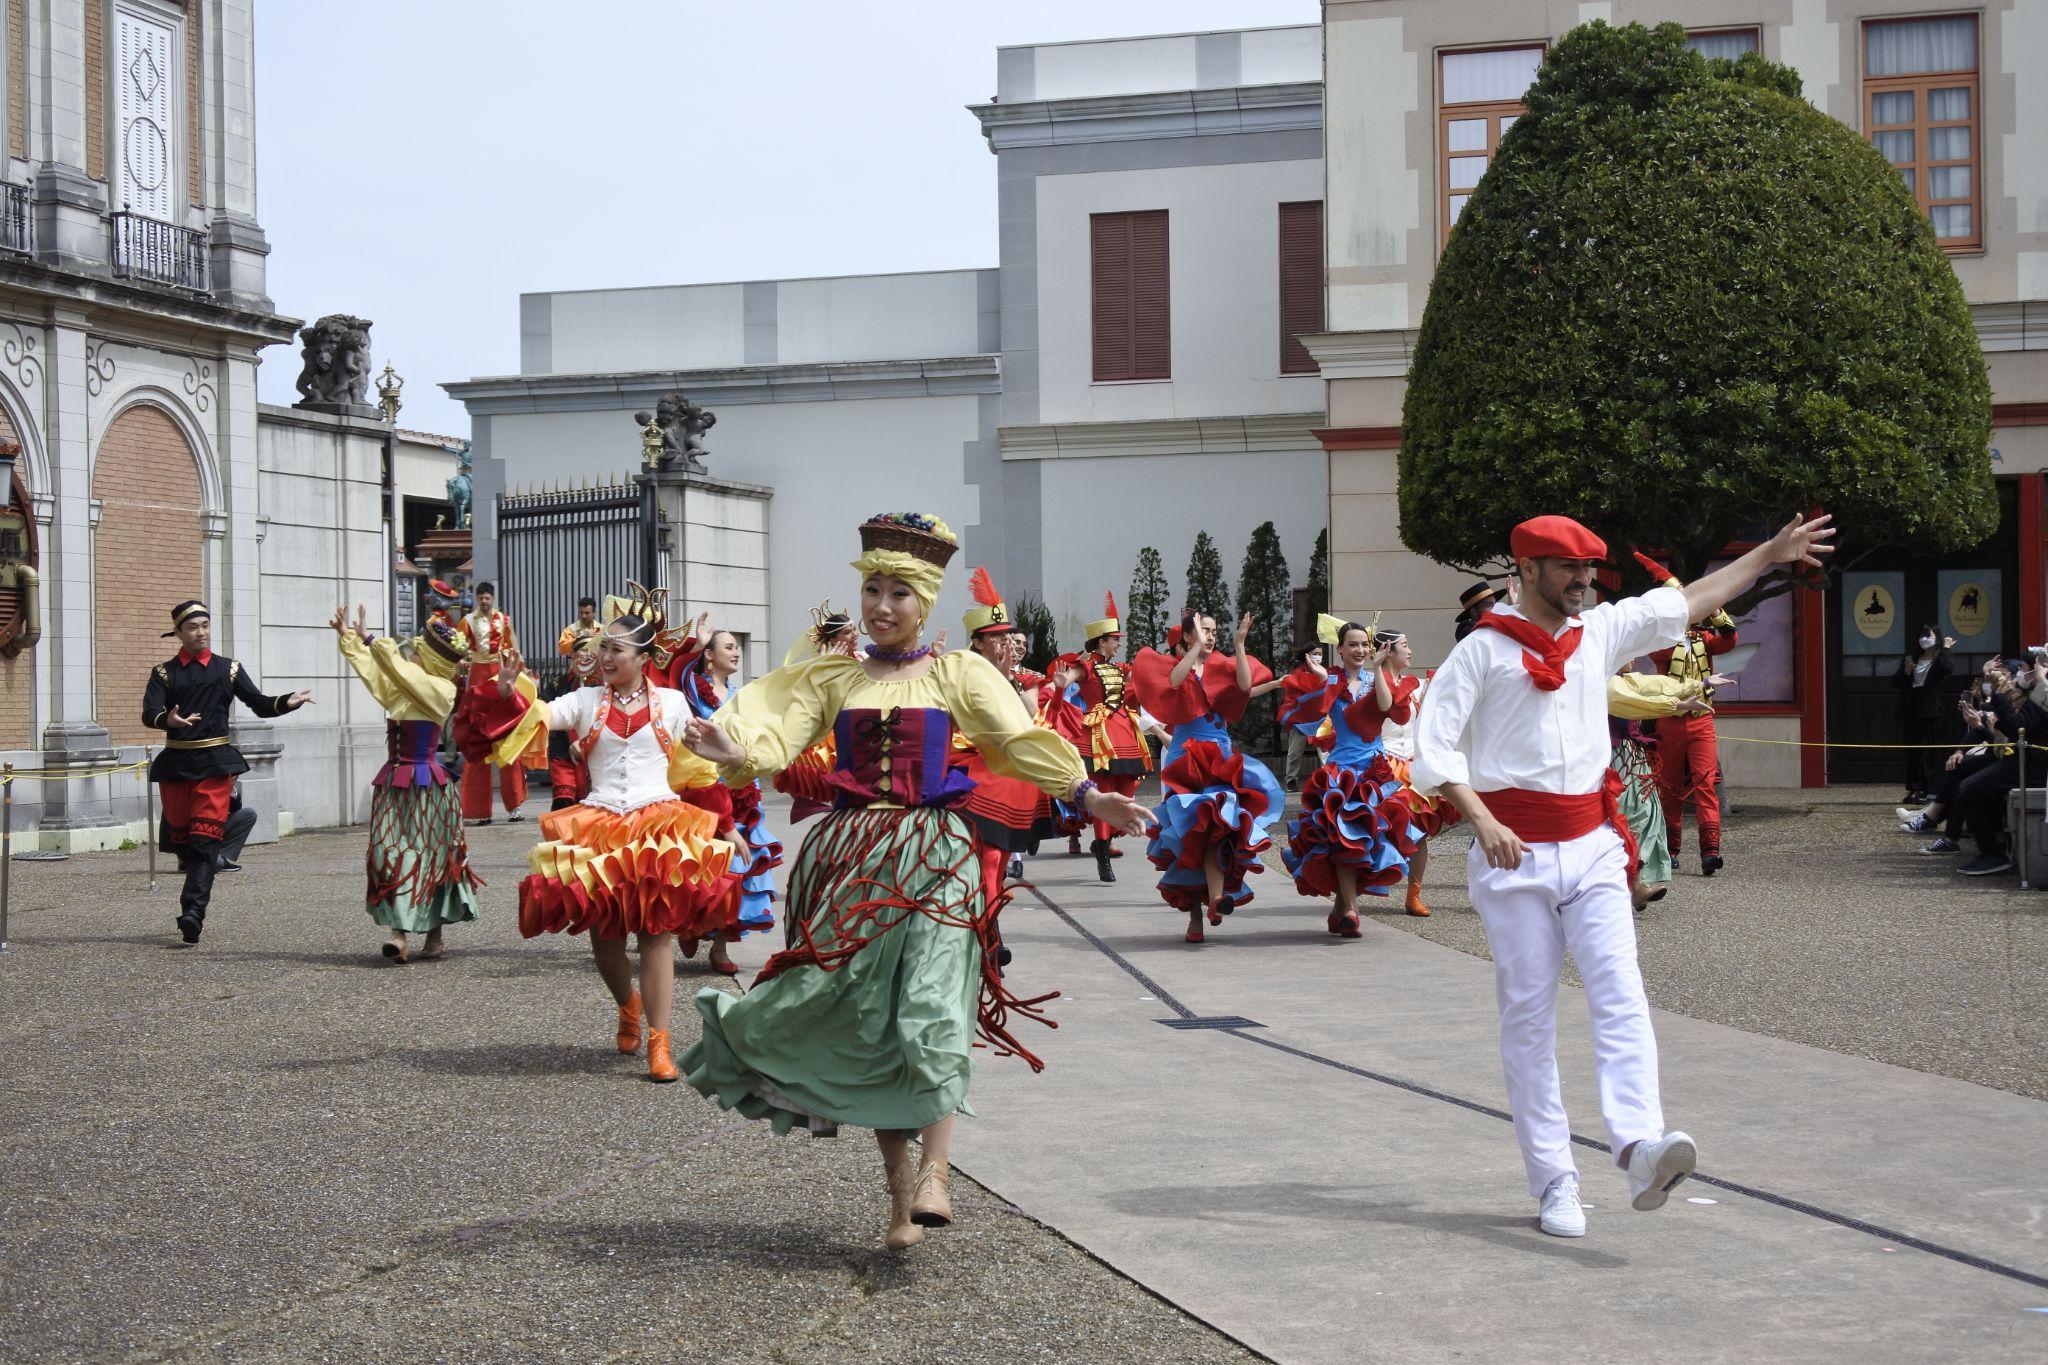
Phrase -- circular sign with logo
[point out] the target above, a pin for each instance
(1969, 608)
(1874, 613)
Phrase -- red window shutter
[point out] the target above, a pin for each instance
(1131, 296)
(1301, 283)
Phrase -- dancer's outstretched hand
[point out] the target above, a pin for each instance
(1803, 542)
(709, 742)
(1121, 813)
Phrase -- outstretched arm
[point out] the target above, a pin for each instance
(1799, 542)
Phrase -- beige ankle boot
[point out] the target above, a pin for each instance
(903, 1232)
(931, 1205)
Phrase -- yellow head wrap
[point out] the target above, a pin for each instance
(923, 576)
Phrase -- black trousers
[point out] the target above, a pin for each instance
(1918, 730)
(1981, 799)
(1949, 790)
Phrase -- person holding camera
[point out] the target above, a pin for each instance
(2019, 706)
(1918, 681)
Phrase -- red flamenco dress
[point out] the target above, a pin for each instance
(1213, 796)
(1355, 809)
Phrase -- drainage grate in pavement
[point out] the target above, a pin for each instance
(1218, 1021)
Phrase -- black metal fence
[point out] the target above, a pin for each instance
(159, 252)
(554, 547)
(17, 220)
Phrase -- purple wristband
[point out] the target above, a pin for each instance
(1080, 796)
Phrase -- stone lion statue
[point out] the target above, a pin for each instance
(337, 354)
(682, 425)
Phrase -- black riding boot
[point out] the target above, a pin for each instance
(200, 868)
(1103, 871)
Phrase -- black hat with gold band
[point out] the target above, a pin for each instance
(989, 615)
(190, 609)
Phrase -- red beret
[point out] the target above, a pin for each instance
(1554, 537)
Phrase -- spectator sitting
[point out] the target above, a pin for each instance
(1919, 681)
(1984, 741)
(2019, 703)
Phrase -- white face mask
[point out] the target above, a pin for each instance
(1927, 642)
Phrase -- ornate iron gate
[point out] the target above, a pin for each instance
(554, 547)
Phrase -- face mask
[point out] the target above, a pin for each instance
(1987, 689)
(1927, 642)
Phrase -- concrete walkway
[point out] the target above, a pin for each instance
(1336, 1181)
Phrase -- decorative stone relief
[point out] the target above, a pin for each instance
(99, 367)
(213, 525)
(18, 348)
(199, 383)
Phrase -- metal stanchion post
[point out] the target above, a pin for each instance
(2020, 834)
(6, 843)
(149, 818)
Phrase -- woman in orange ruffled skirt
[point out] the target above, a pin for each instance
(630, 858)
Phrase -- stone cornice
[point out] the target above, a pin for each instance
(1172, 113)
(159, 317)
(931, 378)
(1167, 436)
(2021, 326)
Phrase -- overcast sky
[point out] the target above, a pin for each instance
(423, 162)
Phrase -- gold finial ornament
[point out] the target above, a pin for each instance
(650, 443)
(388, 385)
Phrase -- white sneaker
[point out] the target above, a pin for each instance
(1562, 1215)
(1906, 814)
(1656, 1168)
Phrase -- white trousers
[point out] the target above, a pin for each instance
(1569, 895)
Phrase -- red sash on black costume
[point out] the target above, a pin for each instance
(1543, 654)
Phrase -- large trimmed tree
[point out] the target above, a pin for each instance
(1265, 592)
(1207, 591)
(1145, 610)
(1683, 303)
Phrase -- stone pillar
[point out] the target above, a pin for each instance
(68, 203)
(73, 736)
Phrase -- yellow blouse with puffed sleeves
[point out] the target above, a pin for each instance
(1648, 696)
(405, 690)
(779, 715)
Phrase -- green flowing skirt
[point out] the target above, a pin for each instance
(1643, 810)
(418, 864)
(870, 1018)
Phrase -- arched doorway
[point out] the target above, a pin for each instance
(148, 554)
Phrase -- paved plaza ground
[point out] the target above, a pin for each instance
(278, 1147)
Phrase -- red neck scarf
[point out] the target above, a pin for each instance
(204, 658)
(1542, 654)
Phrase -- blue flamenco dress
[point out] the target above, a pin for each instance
(1213, 797)
(757, 884)
(1356, 811)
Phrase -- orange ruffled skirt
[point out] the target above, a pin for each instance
(656, 870)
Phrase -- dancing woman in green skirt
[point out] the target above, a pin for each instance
(868, 1017)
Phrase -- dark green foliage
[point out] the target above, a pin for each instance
(1207, 592)
(1683, 301)
(1145, 611)
(1265, 592)
(1318, 595)
(1042, 636)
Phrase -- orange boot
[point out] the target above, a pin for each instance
(1415, 905)
(660, 1066)
(629, 1025)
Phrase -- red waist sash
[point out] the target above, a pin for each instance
(1554, 818)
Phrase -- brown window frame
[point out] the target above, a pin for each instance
(1128, 367)
(1920, 85)
(1294, 357)
(1493, 111)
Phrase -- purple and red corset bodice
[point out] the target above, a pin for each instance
(410, 761)
(899, 757)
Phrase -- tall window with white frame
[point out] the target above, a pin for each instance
(1479, 97)
(1726, 43)
(1920, 105)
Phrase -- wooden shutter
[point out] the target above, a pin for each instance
(1131, 302)
(144, 75)
(1301, 283)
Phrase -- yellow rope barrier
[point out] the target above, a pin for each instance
(70, 775)
(1832, 744)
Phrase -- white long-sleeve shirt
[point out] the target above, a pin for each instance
(1486, 724)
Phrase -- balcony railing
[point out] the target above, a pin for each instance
(17, 221)
(159, 252)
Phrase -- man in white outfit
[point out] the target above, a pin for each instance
(1514, 734)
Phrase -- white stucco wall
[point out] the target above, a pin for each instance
(831, 464)
(1098, 512)
(1225, 312)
